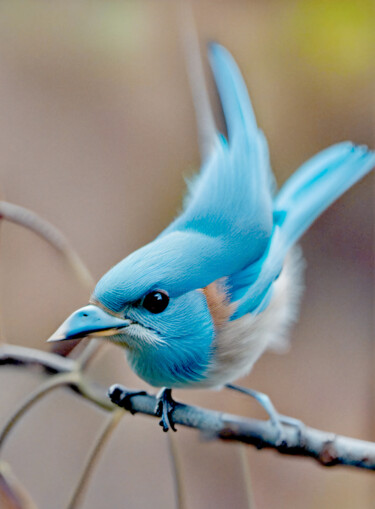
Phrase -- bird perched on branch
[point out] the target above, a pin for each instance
(196, 307)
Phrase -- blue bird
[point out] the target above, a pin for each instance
(196, 307)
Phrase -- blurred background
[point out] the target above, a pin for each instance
(97, 134)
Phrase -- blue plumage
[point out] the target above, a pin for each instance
(202, 301)
(314, 186)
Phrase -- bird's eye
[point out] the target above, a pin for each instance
(156, 301)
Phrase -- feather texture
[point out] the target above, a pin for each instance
(315, 186)
(218, 303)
(240, 343)
(226, 267)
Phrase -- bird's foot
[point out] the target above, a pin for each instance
(277, 420)
(164, 408)
(295, 423)
(122, 397)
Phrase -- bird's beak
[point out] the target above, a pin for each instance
(89, 320)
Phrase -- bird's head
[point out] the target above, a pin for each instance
(151, 304)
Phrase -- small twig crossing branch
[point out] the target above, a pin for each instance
(327, 448)
(108, 428)
(19, 356)
(176, 470)
(52, 383)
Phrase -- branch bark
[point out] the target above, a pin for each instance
(328, 449)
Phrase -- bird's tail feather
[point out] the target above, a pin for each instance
(312, 189)
(238, 111)
(240, 117)
(231, 200)
(316, 185)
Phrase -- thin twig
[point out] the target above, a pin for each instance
(93, 457)
(176, 466)
(2, 335)
(12, 492)
(20, 356)
(93, 392)
(75, 380)
(207, 132)
(42, 390)
(51, 234)
(14, 355)
(246, 476)
(90, 350)
(328, 449)
(32, 221)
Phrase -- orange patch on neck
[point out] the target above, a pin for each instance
(218, 304)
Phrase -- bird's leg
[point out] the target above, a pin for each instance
(164, 408)
(276, 419)
(122, 397)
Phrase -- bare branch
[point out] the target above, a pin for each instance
(32, 221)
(51, 234)
(45, 388)
(109, 426)
(176, 466)
(90, 350)
(12, 494)
(207, 132)
(246, 477)
(13, 355)
(327, 448)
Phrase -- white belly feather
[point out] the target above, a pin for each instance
(240, 343)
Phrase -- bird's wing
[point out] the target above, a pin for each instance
(307, 193)
(231, 199)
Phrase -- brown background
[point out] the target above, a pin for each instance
(96, 134)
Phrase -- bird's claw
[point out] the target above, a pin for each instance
(122, 397)
(277, 420)
(164, 408)
(295, 423)
(279, 431)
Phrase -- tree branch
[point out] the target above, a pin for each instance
(48, 386)
(100, 442)
(177, 472)
(327, 448)
(44, 229)
(13, 355)
(51, 234)
(12, 493)
(51, 363)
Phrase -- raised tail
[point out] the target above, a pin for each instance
(311, 190)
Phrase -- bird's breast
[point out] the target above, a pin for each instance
(239, 343)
